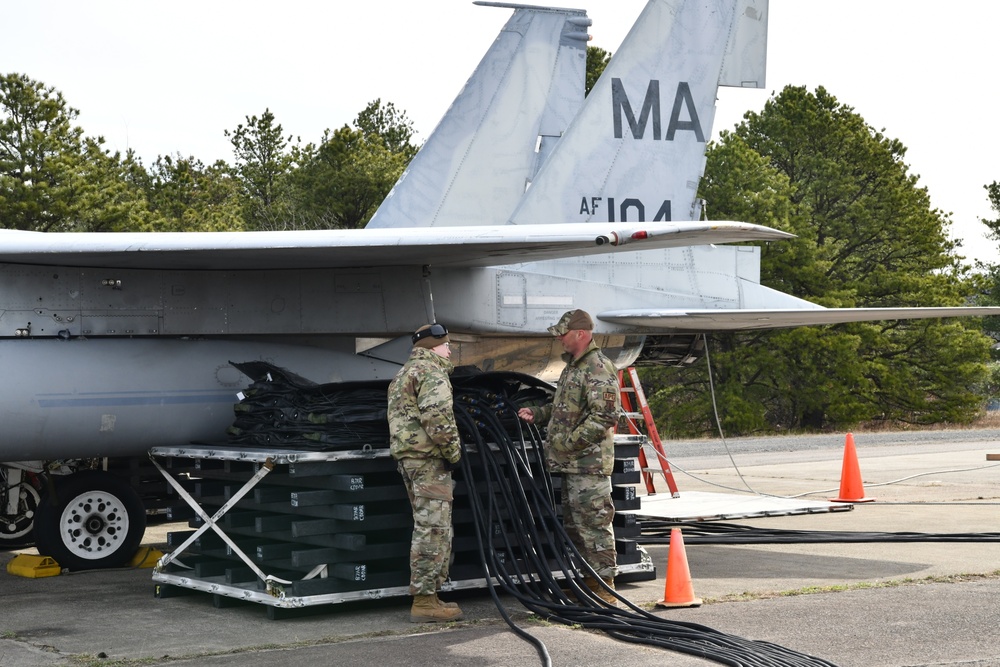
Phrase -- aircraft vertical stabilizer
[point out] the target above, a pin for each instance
(745, 62)
(475, 166)
(636, 150)
(636, 153)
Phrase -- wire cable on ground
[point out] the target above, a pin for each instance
(525, 550)
(732, 460)
(657, 531)
(523, 547)
(718, 422)
(824, 492)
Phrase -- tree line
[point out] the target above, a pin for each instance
(866, 236)
(53, 178)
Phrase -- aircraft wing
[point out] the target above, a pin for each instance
(702, 320)
(447, 246)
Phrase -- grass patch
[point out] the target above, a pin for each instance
(861, 585)
(987, 419)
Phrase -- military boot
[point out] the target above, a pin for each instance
(428, 609)
(602, 592)
(449, 605)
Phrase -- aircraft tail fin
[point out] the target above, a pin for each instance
(636, 150)
(476, 164)
(745, 62)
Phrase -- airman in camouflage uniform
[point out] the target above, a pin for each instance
(581, 444)
(425, 443)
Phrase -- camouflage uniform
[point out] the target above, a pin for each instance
(581, 447)
(423, 435)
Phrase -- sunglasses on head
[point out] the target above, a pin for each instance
(436, 330)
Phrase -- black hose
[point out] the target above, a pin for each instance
(657, 531)
(480, 520)
(504, 467)
(523, 548)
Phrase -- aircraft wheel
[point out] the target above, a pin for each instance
(15, 528)
(92, 520)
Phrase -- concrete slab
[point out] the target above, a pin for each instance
(853, 604)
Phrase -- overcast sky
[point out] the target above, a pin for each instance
(165, 78)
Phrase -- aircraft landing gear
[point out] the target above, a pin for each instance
(90, 520)
(19, 499)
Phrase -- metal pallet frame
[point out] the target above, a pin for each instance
(261, 473)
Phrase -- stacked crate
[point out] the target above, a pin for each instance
(330, 526)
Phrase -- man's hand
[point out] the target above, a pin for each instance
(527, 415)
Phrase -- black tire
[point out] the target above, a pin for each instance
(16, 529)
(91, 520)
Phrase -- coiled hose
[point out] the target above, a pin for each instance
(526, 552)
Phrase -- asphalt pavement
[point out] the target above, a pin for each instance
(931, 601)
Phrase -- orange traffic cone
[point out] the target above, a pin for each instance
(851, 488)
(678, 591)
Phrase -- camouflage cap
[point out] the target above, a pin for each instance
(573, 319)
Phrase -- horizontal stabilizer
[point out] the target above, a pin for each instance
(706, 320)
(340, 248)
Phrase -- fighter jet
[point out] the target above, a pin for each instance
(527, 200)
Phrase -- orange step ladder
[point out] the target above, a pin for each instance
(628, 382)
